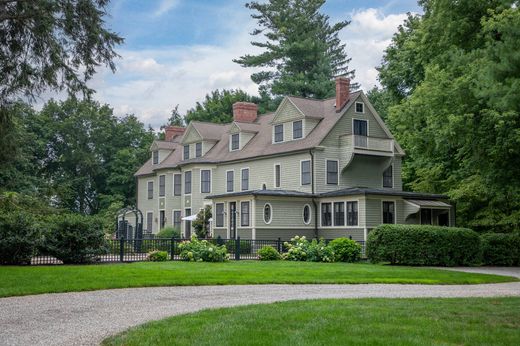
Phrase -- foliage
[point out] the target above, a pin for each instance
(202, 251)
(345, 250)
(501, 249)
(157, 256)
(74, 238)
(176, 118)
(245, 246)
(302, 51)
(19, 235)
(453, 76)
(52, 45)
(201, 223)
(300, 249)
(169, 232)
(268, 253)
(217, 107)
(424, 245)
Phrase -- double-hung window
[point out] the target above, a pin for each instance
(155, 157)
(186, 152)
(230, 181)
(352, 213)
(332, 172)
(219, 211)
(187, 182)
(205, 181)
(297, 127)
(277, 175)
(388, 212)
(339, 214)
(177, 185)
(149, 222)
(235, 141)
(162, 185)
(326, 214)
(198, 149)
(150, 190)
(388, 177)
(278, 133)
(244, 214)
(245, 179)
(306, 172)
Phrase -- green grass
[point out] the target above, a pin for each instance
(475, 321)
(45, 279)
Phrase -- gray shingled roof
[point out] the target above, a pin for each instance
(279, 193)
(369, 191)
(261, 144)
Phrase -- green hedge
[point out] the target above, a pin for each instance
(502, 249)
(19, 236)
(424, 245)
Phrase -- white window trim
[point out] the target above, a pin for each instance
(263, 213)
(159, 186)
(365, 120)
(355, 107)
(344, 212)
(158, 157)
(201, 149)
(153, 189)
(149, 211)
(301, 173)
(310, 214)
(358, 213)
(383, 178)
(210, 180)
(183, 152)
(230, 170)
(240, 214)
(184, 182)
(223, 215)
(395, 211)
(231, 141)
(173, 217)
(173, 184)
(274, 175)
(283, 133)
(326, 172)
(248, 178)
(303, 131)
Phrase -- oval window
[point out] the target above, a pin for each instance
(306, 214)
(268, 213)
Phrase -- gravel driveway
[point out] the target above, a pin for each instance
(86, 318)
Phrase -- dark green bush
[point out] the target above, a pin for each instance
(245, 246)
(75, 238)
(157, 256)
(18, 238)
(346, 250)
(424, 245)
(169, 232)
(501, 249)
(268, 253)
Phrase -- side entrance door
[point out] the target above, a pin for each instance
(232, 220)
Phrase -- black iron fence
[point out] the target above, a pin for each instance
(136, 250)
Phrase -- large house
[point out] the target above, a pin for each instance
(319, 168)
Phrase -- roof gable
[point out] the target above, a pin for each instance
(287, 111)
(191, 135)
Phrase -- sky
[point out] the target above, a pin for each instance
(177, 51)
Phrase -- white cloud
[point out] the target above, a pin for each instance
(165, 6)
(367, 36)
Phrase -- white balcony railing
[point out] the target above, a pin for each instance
(372, 143)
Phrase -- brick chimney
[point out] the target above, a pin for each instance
(244, 112)
(173, 131)
(342, 92)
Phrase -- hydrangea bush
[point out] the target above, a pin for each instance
(196, 250)
(300, 249)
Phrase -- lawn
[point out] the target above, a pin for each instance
(472, 321)
(23, 280)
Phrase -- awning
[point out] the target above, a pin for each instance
(428, 203)
(189, 218)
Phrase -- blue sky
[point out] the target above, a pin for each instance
(176, 51)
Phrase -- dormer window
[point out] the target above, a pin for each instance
(360, 107)
(235, 141)
(198, 149)
(297, 127)
(278, 133)
(186, 152)
(155, 157)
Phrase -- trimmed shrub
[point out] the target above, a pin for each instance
(18, 238)
(169, 232)
(157, 256)
(245, 246)
(196, 250)
(74, 238)
(501, 249)
(346, 250)
(424, 245)
(300, 249)
(268, 253)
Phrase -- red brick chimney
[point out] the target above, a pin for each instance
(244, 112)
(342, 92)
(173, 131)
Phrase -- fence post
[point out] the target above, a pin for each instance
(279, 245)
(172, 248)
(237, 248)
(121, 249)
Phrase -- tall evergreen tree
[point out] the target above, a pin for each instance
(302, 50)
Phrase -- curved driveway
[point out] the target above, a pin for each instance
(86, 318)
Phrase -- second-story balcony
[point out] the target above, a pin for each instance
(369, 145)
